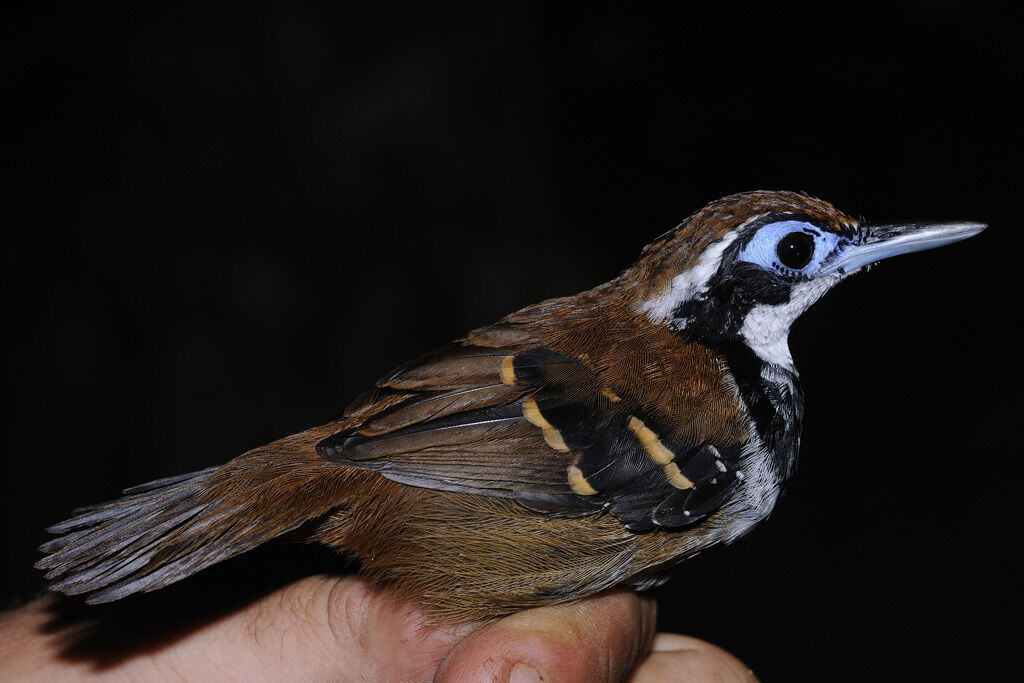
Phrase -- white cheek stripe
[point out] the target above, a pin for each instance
(692, 282)
(689, 283)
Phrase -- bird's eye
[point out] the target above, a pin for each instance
(795, 250)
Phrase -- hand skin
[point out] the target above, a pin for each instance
(341, 629)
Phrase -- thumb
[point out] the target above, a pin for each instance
(600, 638)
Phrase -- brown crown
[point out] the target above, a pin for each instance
(678, 249)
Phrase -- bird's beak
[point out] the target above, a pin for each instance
(882, 241)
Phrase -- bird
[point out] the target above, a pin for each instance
(576, 444)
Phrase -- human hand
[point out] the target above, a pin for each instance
(341, 628)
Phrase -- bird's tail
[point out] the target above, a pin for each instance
(163, 531)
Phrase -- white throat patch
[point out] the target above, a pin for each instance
(766, 328)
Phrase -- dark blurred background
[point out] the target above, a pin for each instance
(224, 225)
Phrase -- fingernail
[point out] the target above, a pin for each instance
(524, 673)
(673, 642)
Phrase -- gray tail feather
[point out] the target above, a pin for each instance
(158, 533)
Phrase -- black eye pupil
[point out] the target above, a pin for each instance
(795, 250)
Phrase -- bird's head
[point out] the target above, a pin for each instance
(744, 267)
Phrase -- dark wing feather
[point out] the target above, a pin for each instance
(532, 424)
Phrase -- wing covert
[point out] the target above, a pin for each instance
(537, 426)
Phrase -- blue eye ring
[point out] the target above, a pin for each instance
(790, 247)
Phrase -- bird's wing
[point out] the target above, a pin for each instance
(525, 422)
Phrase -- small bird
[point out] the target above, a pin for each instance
(576, 444)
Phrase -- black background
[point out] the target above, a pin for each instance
(225, 225)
